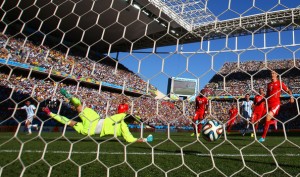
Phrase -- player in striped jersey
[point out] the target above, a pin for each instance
(246, 112)
(30, 111)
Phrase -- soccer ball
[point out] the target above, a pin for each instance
(212, 130)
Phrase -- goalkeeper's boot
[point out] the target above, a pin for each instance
(252, 135)
(193, 134)
(199, 134)
(261, 140)
(149, 138)
(65, 93)
(73, 100)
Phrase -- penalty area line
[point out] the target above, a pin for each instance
(145, 153)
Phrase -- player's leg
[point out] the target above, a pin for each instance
(88, 116)
(28, 126)
(73, 100)
(34, 125)
(254, 122)
(274, 122)
(229, 125)
(195, 122)
(273, 111)
(199, 125)
(246, 126)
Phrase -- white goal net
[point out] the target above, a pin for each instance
(156, 57)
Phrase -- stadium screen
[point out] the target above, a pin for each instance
(184, 86)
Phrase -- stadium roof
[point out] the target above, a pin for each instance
(122, 25)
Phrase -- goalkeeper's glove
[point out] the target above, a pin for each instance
(148, 139)
(46, 110)
(65, 93)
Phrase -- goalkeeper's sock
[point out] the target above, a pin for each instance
(75, 102)
(60, 119)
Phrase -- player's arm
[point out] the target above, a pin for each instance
(285, 88)
(291, 95)
(15, 108)
(33, 107)
(207, 108)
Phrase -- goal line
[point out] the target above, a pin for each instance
(145, 153)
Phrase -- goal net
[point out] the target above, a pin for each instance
(156, 57)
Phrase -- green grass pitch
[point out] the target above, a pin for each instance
(175, 155)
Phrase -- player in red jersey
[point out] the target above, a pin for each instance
(273, 96)
(123, 107)
(201, 108)
(259, 108)
(233, 115)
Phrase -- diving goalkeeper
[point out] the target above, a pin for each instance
(92, 124)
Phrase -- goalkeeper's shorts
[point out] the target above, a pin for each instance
(90, 119)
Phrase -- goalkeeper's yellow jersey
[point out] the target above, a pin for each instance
(116, 125)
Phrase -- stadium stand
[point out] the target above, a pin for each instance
(53, 60)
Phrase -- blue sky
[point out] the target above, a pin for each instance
(158, 67)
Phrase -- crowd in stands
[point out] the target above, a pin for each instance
(104, 102)
(235, 87)
(253, 66)
(19, 50)
(156, 112)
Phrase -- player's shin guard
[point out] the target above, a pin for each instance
(60, 119)
(266, 128)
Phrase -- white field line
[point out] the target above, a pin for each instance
(145, 153)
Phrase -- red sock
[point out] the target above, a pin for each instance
(272, 122)
(266, 128)
(256, 127)
(199, 128)
(229, 128)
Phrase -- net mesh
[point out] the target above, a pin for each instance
(108, 52)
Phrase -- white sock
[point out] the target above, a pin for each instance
(35, 125)
(29, 128)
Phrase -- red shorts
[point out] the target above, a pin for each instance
(199, 115)
(256, 116)
(274, 109)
